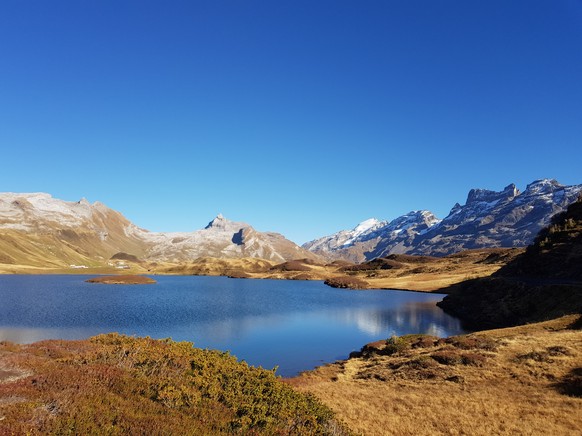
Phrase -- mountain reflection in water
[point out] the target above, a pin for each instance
(295, 325)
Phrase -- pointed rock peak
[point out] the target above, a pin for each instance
(428, 217)
(457, 207)
(219, 222)
(420, 214)
(366, 225)
(511, 190)
(414, 217)
(83, 201)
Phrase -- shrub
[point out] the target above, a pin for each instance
(395, 345)
(453, 357)
(447, 357)
(471, 342)
(345, 283)
(115, 384)
(473, 359)
(421, 341)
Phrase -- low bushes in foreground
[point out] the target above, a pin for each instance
(114, 384)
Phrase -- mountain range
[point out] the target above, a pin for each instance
(543, 282)
(37, 230)
(489, 219)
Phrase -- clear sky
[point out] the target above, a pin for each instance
(302, 117)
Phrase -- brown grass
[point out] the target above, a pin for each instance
(122, 280)
(415, 273)
(523, 380)
(346, 282)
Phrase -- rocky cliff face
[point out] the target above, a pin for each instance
(497, 219)
(542, 283)
(38, 230)
(488, 219)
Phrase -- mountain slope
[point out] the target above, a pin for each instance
(544, 282)
(224, 239)
(497, 219)
(373, 238)
(38, 230)
(41, 231)
(489, 219)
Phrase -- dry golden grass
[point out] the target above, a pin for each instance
(429, 281)
(517, 387)
(413, 273)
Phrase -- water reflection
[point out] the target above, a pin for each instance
(291, 324)
(418, 317)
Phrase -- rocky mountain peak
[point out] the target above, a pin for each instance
(366, 225)
(489, 219)
(457, 207)
(487, 196)
(80, 233)
(220, 222)
(542, 186)
(412, 220)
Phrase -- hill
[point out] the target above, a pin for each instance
(542, 283)
(523, 380)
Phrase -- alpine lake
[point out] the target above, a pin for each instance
(291, 325)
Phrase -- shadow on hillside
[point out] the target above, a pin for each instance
(571, 383)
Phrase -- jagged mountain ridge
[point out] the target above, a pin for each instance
(372, 238)
(488, 219)
(39, 230)
(544, 282)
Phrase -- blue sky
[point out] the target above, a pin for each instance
(302, 117)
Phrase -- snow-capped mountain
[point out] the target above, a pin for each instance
(508, 218)
(37, 229)
(488, 219)
(372, 238)
(327, 245)
(223, 238)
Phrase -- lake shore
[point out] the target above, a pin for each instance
(401, 272)
(520, 380)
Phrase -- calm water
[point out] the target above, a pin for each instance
(295, 325)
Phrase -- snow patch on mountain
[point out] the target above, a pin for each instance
(101, 232)
(359, 243)
(506, 218)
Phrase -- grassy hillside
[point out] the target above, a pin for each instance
(113, 384)
(517, 381)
